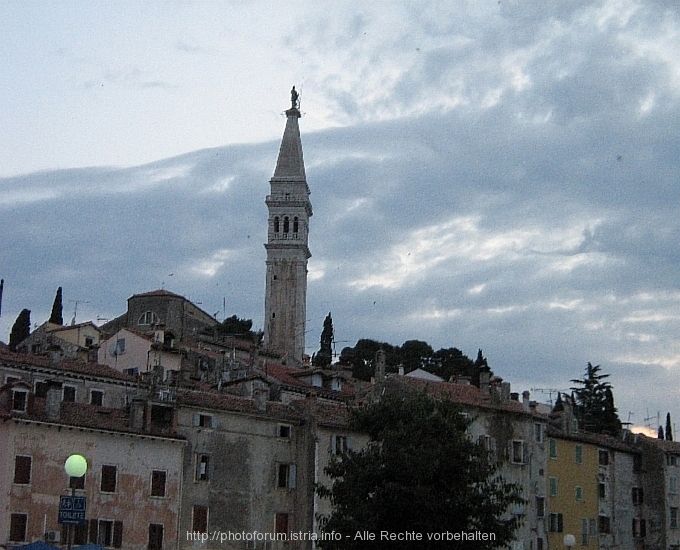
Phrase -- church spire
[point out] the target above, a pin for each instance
(290, 164)
(289, 207)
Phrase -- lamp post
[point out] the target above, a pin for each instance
(75, 466)
(569, 541)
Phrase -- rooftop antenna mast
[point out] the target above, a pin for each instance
(2, 284)
(75, 309)
(550, 392)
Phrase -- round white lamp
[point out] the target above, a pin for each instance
(569, 541)
(75, 466)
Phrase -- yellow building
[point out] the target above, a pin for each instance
(573, 491)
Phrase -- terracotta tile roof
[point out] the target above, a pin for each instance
(324, 412)
(234, 403)
(595, 439)
(83, 415)
(159, 292)
(663, 444)
(9, 358)
(460, 393)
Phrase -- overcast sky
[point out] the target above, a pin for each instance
(486, 174)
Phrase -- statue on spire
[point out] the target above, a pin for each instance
(294, 98)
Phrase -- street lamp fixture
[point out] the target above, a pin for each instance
(75, 466)
(569, 541)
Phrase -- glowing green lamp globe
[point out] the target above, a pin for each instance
(76, 466)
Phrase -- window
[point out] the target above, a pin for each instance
(19, 400)
(603, 457)
(639, 527)
(284, 431)
(556, 523)
(41, 389)
(674, 518)
(579, 492)
(96, 397)
(553, 448)
(158, 483)
(204, 420)
(538, 433)
(672, 460)
(540, 507)
(672, 484)
(553, 486)
(338, 445)
(199, 522)
(76, 483)
(638, 496)
(89, 341)
(602, 490)
(593, 527)
(105, 532)
(108, 484)
(286, 476)
(584, 531)
(202, 467)
(539, 543)
(79, 534)
(276, 224)
(637, 464)
(281, 525)
(69, 394)
(17, 527)
(162, 416)
(148, 318)
(155, 536)
(604, 525)
(22, 470)
(578, 454)
(518, 452)
(296, 224)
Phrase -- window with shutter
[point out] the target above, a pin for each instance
(22, 470)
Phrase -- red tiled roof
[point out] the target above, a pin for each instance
(231, 402)
(324, 412)
(83, 415)
(92, 369)
(600, 440)
(159, 292)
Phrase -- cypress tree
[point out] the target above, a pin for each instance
(659, 434)
(57, 310)
(21, 329)
(669, 430)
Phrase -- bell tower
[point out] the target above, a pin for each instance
(285, 302)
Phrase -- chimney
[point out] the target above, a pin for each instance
(137, 414)
(525, 400)
(401, 370)
(53, 400)
(505, 392)
(261, 396)
(514, 396)
(484, 377)
(54, 355)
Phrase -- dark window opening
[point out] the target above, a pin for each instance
(97, 398)
(603, 457)
(276, 224)
(19, 400)
(284, 431)
(22, 470)
(161, 417)
(638, 495)
(17, 527)
(281, 523)
(158, 483)
(69, 394)
(108, 484)
(296, 224)
(202, 467)
(200, 519)
(286, 477)
(41, 389)
(155, 536)
(604, 525)
(286, 225)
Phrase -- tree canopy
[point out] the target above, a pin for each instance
(237, 328)
(21, 329)
(419, 473)
(594, 403)
(412, 354)
(57, 310)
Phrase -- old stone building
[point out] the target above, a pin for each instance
(287, 246)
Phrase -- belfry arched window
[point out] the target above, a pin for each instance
(295, 224)
(286, 224)
(148, 318)
(276, 224)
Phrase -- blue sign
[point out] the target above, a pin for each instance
(72, 510)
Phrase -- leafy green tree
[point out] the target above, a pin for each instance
(594, 403)
(238, 328)
(414, 354)
(21, 329)
(419, 473)
(57, 310)
(362, 356)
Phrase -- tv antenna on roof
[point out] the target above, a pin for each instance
(75, 309)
